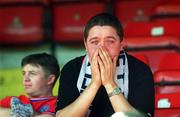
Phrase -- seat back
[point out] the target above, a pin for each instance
(153, 29)
(21, 24)
(168, 9)
(69, 20)
(167, 81)
(167, 105)
(170, 61)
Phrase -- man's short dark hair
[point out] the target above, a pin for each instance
(48, 62)
(104, 19)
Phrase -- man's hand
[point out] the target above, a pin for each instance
(107, 67)
(96, 78)
(20, 110)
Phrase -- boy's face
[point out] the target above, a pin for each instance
(103, 36)
(35, 81)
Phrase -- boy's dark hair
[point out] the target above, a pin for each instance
(104, 19)
(48, 62)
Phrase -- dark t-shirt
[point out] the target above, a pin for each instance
(141, 88)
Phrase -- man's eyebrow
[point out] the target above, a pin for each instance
(111, 37)
(92, 38)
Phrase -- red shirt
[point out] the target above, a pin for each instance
(45, 105)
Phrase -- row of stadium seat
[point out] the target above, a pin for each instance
(25, 24)
(153, 34)
(167, 84)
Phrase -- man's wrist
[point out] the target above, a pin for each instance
(115, 91)
(109, 87)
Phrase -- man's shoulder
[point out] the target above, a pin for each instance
(133, 61)
(74, 63)
(77, 60)
(138, 66)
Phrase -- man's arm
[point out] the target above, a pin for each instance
(79, 108)
(120, 104)
(108, 68)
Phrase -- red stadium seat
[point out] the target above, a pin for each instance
(167, 81)
(154, 56)
(167, 100)
(167, 76)
(10, 2)
(140, 10)
(170, 61)
(152, 35)
(167, 105)
(153, 29)
(70, 19)
(21, 1)
(167, 112)
(168, 9)
(131, 10)
(21, 24)
(132, 43)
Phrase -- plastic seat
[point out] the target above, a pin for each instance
(167, 76)
(167, 101)
(167, 113)
(21, 24)
(168, 9)
(9, 2)
(70, 19)
(167, 81)
(167, 105)
(133, 43)
(130, 10)
(170, 61)
(153, 29)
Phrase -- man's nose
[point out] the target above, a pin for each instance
(26, 77)
(102, 44)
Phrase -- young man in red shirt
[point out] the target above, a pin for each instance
(40, 73)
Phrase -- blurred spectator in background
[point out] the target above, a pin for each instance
(40, 73)
(106, 80)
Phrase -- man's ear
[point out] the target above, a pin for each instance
(85, 45)
(51, 79)
(123, 44)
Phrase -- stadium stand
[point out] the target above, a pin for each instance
(167, 86)
(167, 81)
(167, 105)
(21, 24)
(8, 2)
(170, 61)
(152, 29)
(130, 10)
(68, 26)
(168, 9)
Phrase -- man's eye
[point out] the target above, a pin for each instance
(94, 42)
(110, 41)
(33, 73)
(23, 73)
